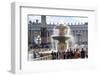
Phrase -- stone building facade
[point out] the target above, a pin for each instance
(79, 32)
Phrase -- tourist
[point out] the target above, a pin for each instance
(34, 55)
(77, 53)
(67, 54)
(64, 55)
(86, 52)
(82, 53)
(71, 53)
(55, 55)
(52, 55)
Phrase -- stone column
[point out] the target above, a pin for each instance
(43, 20)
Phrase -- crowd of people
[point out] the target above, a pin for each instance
(70, 54)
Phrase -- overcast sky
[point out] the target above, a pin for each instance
(60, 19)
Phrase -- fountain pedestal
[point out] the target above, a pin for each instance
(62, 38)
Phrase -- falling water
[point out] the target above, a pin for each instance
(70, 41)
(54, 42)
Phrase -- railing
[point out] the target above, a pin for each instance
(40, 50)
(49, 57)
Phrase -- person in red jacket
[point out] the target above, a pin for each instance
(77, 53)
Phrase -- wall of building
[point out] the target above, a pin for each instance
(78, 31)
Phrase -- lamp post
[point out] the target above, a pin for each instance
(38, 39)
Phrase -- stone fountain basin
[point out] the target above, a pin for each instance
(61, 38)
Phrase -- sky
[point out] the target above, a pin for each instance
(60, 19)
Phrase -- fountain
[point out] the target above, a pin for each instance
(61, 36)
